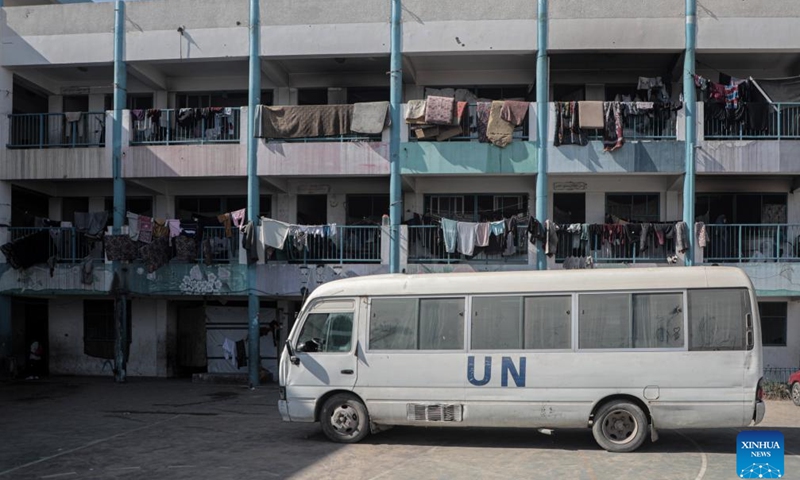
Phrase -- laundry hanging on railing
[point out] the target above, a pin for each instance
(27, 251)
(370, 117)
(303, 121)
(447, 115)
(465, 237)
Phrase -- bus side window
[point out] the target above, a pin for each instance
(326, 332)
(717, 318)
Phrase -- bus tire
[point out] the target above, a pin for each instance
(344, 419)
(795, 393)
(620, 426)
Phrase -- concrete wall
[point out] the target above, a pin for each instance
(54, 163)
(749, 156)
(148, 339)
(81, 33)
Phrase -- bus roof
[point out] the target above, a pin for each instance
(527, 281)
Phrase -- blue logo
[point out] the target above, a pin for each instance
(759, 454)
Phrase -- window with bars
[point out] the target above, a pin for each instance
(99, 328)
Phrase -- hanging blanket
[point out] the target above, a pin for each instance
(369, 117)
(304, 121)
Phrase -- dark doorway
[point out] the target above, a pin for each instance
(569, 207)
(30, 324)
(191, 345)
(312, 209)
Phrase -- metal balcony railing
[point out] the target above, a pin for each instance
(350, 244)
(655, 126)
(736, 243)
(617, 251)
(66, 243)
(426, 245)
(783, 123)
(56, 130)
(185, 126)
(218, 246)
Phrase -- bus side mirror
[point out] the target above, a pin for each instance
(292, 357)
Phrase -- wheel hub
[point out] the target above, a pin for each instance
(344, 419)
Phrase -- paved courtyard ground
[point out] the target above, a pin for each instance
(87, 428)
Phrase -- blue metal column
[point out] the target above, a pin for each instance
(690, 107)
(120, 94)
(542, 111)
(395, 98)
(253, 99)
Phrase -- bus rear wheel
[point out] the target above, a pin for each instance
(620, 426)
(344, 419)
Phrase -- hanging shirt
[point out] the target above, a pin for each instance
(238, 217)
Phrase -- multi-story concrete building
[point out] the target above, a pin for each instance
(56, 60)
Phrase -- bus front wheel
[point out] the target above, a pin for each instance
(344, 419)
(620, 426)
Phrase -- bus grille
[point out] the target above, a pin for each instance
(434, 413)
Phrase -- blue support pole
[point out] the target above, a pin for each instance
(690, 107)
(253, 99)
(395, 98)
(542, 110)
(120, 93)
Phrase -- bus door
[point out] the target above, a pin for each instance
(324, 355)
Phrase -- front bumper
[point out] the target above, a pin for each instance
(761, 410)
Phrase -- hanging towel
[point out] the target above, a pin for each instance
(499, 131)
(514, 111)
(482, 111)
(74, 117)
(590, 115)
(133, 225)
(174, 226)
(482, 232)
(439, 110)
(681, 237)
(415, 112)
(274, 233)
(238, 217)
(467, 237)
(701, 234)
(450, 235)
(160, 228)
(369, 117)
(145, 229)
(551, 245)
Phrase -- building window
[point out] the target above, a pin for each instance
(773, 323)
(637, 207)
(189, 207)
(476, 208)
(366, 209)
(99, 329)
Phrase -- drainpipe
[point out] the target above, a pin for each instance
(120, 94)
(395, 96)
(542, 110)
(253, 99)
(690, 107)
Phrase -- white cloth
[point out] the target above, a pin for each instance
(229, 351)
(467, 236)
(482, 234)
(133, 225)
(71, 118)
(274, 233)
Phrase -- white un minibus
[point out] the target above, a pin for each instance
(622, 351)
